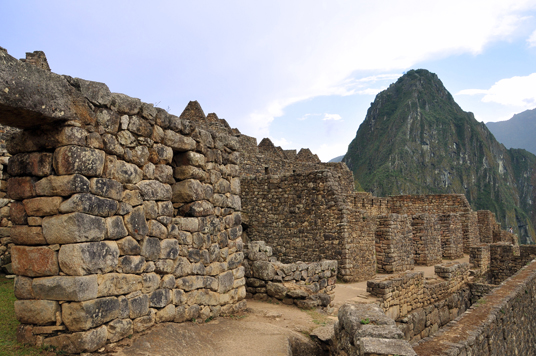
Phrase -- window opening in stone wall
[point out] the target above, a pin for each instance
(266, 170)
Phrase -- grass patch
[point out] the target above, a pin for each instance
(317, 317)
(9, 324)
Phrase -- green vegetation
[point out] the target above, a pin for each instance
(365, 321)
(9, 324)
(416, 139)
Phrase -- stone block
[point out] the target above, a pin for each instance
(225, 282)
(17, 213)
(187, 191)
(65, 288)
(72, 228)
(88, 258)
(108, 120)
(115, 228)
(34, 261)
(131, 264)
(89, 204)
(140, 126)
(79, 342)
(154, 190)
(190, 158)
(128, 246)
(150, 248)
(189, 172)
(138, 155)
(30, 164)
(119, 329)
(37, 312)
(139, 306)
(197, 209)
(23, 288)
(235, 260)
(202, 297)
(118, 284)
(86, 315)
(94, 140)
(169, 248)
(78, 160)
(183, 267)
(125, 104)
(151, 209)
(178, 142)
(62, 185)
(166, 314)
(145, 322)
(164, 174)
(263, 270)
(136, 223)
(132, 197)
(107, 188)
(160, 298)
(42, 206)
(168, 281)
(126, 173)
(165, 208)
(150, 282)
(27, 235)
(20, 188)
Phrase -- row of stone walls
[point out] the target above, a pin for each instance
(307, 285)
(506, 259)
(405, 292)
(501, 323)
(431, 204)
(358, 260)
(123, 216)
(479, 259)
(394, 244)
(426, 239)
(451, 236)
(470, 231)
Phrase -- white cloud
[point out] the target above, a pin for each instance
(516, 91)
(334, 117)
(327, 152)
(532, 39)
(283, 142)
(370, 91)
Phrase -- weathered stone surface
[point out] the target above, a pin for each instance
(136, 223)
(118, 284)
(139, 306)
(132, 197)
(17, 213)
(115, 227)
(187, 191)
(225, 282)
(23, 288)
(82, 160)
(198, 208)
(126, 173)
(79, 342)
(62, 185)
(34, 261)
(74, 227)
(263, 270)
(89, 204)
(138, 155)
(156, 229)
(169, 248)
(66, 288)
(202, 297)
(183, 267)
(145, 322)
(160, 298)
(30, 164)
(119, 329)
(27, 235)
(107, 188)
(108, 120)
(165, 208)
(94, 140)
(276, 290)
(140, 126)
(42, 206)
(160, 154)
(154, 190)
(168, 281)
(151, 282)
(89, 314)
(112, 146)
(88, 258)
(150, 248)
(131, 264)
(125, 104)
(128, 246)
(164, 174)
(37, 312)
(189, 172)
(178, 142)
(235, 260)
(190, 158)
(166, 314)
(19, 188)
(151, 209)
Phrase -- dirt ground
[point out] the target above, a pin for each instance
(264, 329)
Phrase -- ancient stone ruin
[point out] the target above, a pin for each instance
(116, 215)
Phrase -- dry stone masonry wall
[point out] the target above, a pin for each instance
(123, 215)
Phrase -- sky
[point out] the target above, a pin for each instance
(302, 73)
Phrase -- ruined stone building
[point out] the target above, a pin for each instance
(116, 215)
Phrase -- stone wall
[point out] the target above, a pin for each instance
(502, 323)
(469, 230)
(507, 259)
(479, 259)
(426, 239)
(123, 215)
(405, 292)
(394, 244)
(307, 285)
(451, 236)
(5, 203)
(431, 204)
(486, 225)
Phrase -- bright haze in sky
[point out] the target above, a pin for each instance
(300, 72)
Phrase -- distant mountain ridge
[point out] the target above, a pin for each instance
(415, 139)
(336, 159)
(518, 132)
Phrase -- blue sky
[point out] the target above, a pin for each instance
(300, 72)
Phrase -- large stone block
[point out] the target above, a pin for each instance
(20, 188)
(107, 188)
(17, 213)
(115, 227)
(263, 270)
(118, 284)
(27, 235)
(139, 306)
(72, 228)
(131, 264)
(160, 298)
(34, 261)
(30, 164)
(62, 185)
(197, 209)
(225, 282)
(138, 155)
(42, 206)
(166, 314)
(89, 204)
(150, 248)
(136, 223)
(88, 258)
(154, 190)
(187, 191)
(140, 126)
(150, 282)
(160, 154)
(202, 297)
(37, 312)
(126, 173)
(89, 314)
(128, 246)
(108, 120)
(169, 248)
(178, 142)
(190, 158)
(79, 342)
(125, 104)
(23, 288)
(119, 329)
(82, 160)
(67, 288)
(145, 322)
